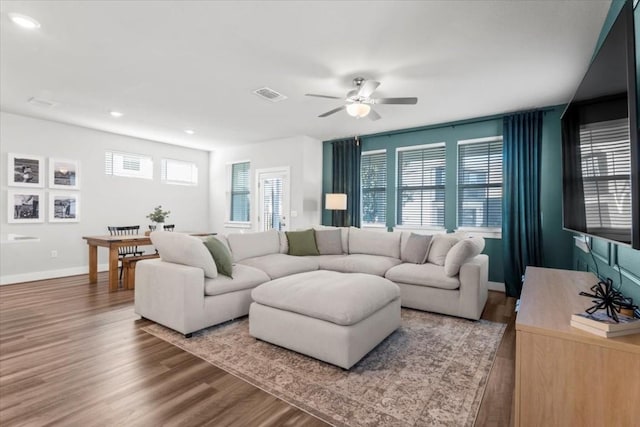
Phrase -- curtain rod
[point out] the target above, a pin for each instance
(443, 125)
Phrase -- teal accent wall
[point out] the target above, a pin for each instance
(557, 243)
(620, 263)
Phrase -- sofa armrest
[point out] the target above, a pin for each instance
(474, 278)
(170, 294)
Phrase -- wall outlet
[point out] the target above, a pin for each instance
(54, 254)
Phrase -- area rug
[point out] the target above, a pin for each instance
(432, 371)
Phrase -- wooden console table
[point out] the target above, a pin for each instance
(565, 376)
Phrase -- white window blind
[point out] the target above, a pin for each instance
(240, 192)
(128, 165)
(373, 181)
(606, 170)
(179, 172)
(421, 186)
(480, 183)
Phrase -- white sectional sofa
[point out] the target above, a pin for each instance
(183, 290)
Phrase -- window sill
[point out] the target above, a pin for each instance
(487, 233)
(237, 224)
(375, 226)
(420, 230)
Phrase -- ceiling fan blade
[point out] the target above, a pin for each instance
(335, 110)
(373, 115)
(322, 96)
(367, 88)
(406, 101)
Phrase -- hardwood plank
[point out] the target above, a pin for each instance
(74, 354)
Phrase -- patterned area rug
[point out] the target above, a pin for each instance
(430, 372)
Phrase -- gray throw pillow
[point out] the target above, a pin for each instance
(415, 251)
(221, 255)
(329, 242)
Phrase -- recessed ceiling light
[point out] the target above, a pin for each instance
(24, 21)
(116, 113)
(189, 131)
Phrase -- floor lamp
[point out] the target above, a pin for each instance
(336, 202)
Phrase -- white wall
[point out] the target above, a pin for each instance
(302, 154)
(104, 200)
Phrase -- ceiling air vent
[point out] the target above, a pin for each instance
(269, 94)
(41, 102)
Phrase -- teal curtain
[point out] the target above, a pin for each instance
(346, 179)
(521, 220)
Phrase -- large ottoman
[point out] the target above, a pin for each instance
(334, 317)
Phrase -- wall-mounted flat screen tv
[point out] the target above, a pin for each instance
(600, 153)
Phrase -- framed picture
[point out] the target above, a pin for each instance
(25, 170)
(25, 206)
(64, 207)
(64, 174)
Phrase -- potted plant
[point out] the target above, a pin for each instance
(158, 216)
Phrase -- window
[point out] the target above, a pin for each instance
(421, 179)
(606, 171)
(179, 172)
(480, 183)
(128, 165)
(373, 179)
(240, 192)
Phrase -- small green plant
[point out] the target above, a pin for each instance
(158, 215)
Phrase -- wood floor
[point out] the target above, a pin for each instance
(73, 354)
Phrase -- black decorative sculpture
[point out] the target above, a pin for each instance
(605, 297)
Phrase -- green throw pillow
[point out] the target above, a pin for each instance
(302, 243)
(220, 254)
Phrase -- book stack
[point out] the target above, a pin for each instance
(602, 325)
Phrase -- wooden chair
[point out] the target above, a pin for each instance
(128, 230)
(169, 227)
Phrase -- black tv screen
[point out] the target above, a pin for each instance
(601, 185)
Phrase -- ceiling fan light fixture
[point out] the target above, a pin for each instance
(358, 109)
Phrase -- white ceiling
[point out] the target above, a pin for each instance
(173, 65)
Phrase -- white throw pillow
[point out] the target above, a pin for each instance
(329, 242)
(440, 246)
(183, 249)
(344, 234)
(284, 242)
(461, 252)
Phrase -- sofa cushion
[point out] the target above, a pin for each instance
(415, 248)
(374, 243)
(183, 249)
(249, 245)
(343, 299)
(344, 234)
(440, 246)
(422, 274)
(329, 242)
(361, 263)
(302, 243)
(244, 277)
(460, 252)
(325, 260)
(221, 255)
(279, 265)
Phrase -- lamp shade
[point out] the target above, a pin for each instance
(335, 201)
(358, 109)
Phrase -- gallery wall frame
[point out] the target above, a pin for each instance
(25, 170)
(64, 174)
(25, 206)
(64, 206)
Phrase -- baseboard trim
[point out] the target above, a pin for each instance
(496, 286)
(49, 274)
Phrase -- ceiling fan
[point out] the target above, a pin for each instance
(358, 101)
